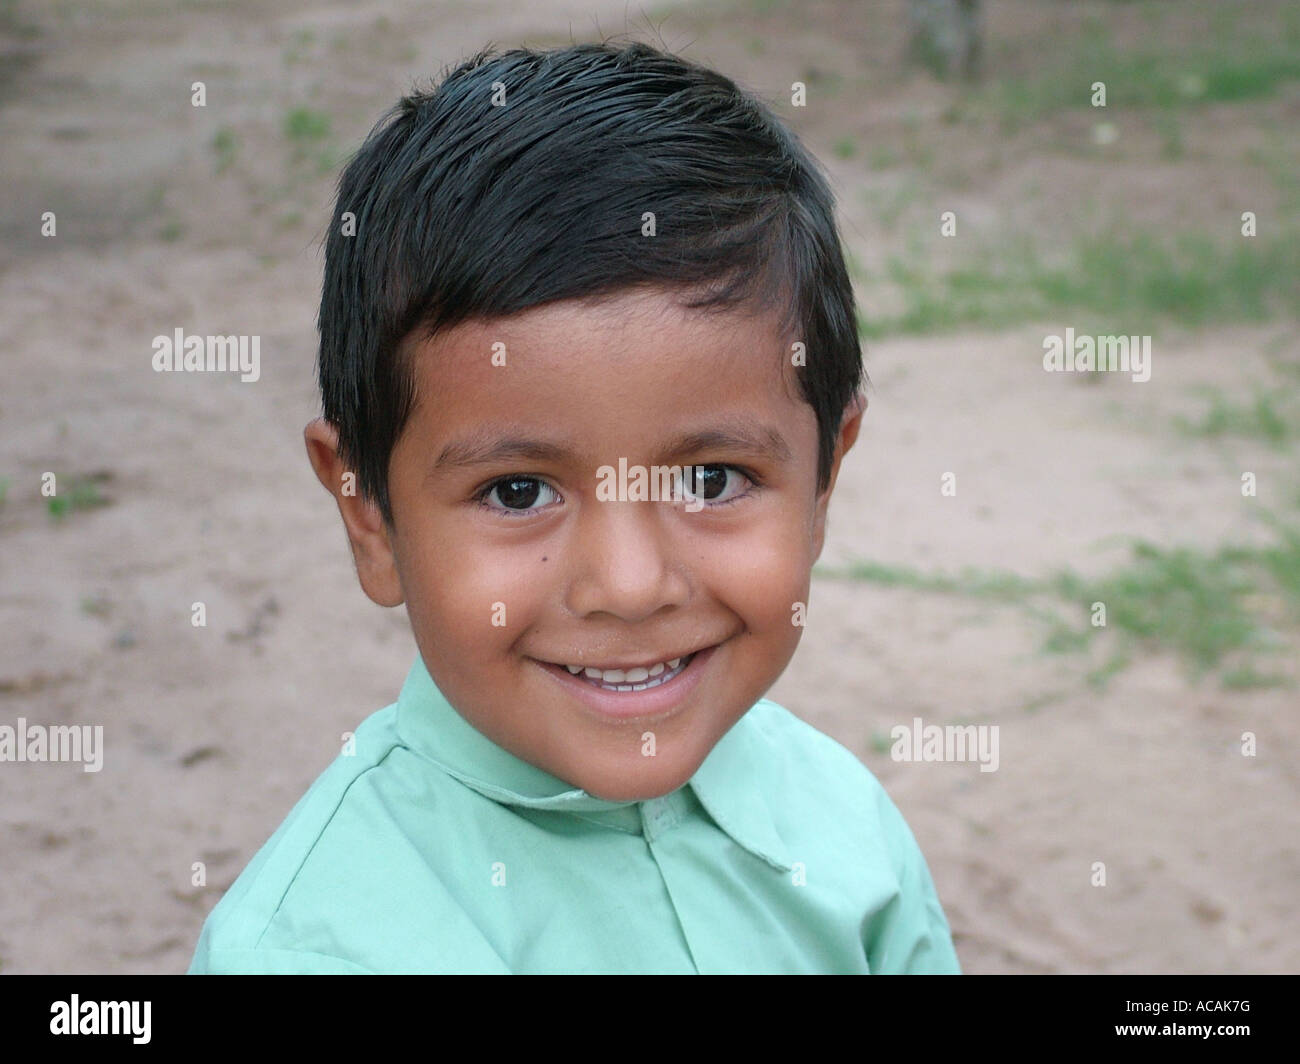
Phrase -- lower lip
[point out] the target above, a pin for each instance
(660, 701)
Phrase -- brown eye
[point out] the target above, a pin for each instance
(712, 482)
(519, 493)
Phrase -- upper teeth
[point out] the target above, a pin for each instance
(637, 675)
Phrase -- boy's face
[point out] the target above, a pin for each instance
(513, 566)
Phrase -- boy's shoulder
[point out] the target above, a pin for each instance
(234, 930)
(338, 851)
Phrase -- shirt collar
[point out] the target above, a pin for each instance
(727, 783)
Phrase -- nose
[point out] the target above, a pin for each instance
(627, 566)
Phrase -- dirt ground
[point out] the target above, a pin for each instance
(209, 218)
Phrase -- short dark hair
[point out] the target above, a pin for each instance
(465, 208)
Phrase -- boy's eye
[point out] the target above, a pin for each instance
(713, 483)
(518, 493)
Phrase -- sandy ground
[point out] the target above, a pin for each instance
(213, 733)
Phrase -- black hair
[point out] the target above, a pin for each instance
(523, 178)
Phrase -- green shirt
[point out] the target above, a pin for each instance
(432, 849)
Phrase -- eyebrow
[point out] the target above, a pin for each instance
(761, 440)
(484, 448)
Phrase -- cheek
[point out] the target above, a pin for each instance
(762, 574)
(467, 597)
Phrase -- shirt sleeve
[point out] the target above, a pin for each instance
(910, 935)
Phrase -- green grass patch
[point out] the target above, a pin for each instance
(1180, 599)
(880, 742)
(882, 157)
(313, 150)
(1237, 66)
(96, 606)
(302, 125)
(1215, 610)
(1124, 277)
(81, 493)
(226, 147)
(1247, 678)
(1273, 417)
(975, 583)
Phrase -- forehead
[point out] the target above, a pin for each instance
(625, 367)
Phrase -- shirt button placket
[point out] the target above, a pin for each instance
(657, 816)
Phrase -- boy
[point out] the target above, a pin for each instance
(590, 365)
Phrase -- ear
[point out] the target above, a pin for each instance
(369, 536)
(849, 426)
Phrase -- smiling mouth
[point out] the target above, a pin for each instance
(629, 680)
(632, 693)
(640, 678)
